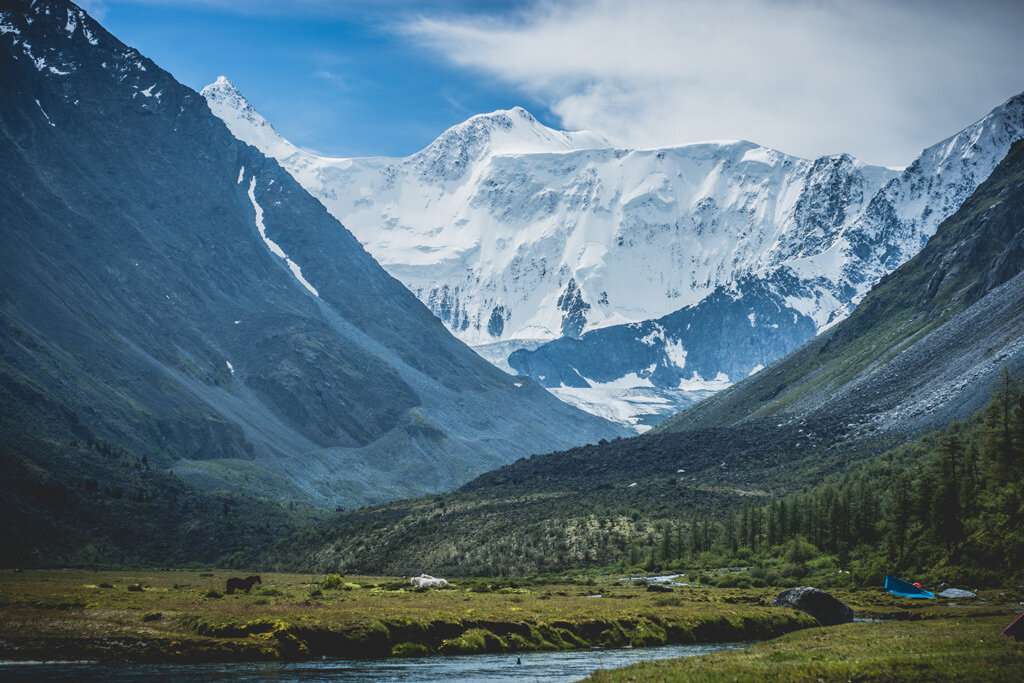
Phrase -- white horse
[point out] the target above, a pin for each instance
(427, 581)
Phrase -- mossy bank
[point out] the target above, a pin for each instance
(185, 616)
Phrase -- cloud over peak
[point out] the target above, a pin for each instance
(880, 80)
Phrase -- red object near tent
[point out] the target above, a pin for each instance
(917, 584)
(1016, 629)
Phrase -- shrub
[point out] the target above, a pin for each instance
(332, 581)
(410, 650)
(799, 550)
(213, 593)
(791, 570)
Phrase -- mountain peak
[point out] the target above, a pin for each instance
(225, 94)
(228, 103)
(500, 132)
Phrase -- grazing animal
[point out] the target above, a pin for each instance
(242, 584)
(427, 581)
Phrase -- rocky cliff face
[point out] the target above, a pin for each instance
(514, 234)
(924, 346)
(169, 289)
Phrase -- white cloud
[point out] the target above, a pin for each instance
(878, 79)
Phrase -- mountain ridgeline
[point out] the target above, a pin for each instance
(925, 347)
(628, 262)
(175, 302)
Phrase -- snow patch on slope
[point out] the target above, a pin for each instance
(274, 247)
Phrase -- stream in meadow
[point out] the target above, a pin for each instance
(554, 667)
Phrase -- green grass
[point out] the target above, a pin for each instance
(960, 647)
(95, 615)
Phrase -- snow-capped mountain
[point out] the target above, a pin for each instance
(171, 291)
(515, 234)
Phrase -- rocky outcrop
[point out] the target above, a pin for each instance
(817, 603)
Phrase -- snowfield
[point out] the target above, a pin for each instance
(513, 234)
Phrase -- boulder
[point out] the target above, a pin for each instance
(956, 593)
(817, 603)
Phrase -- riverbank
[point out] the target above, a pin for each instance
(185, 616)
(945, 648)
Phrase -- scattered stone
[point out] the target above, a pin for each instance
(817, 603)
(956, 593)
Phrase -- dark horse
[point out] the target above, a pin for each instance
(242, 584)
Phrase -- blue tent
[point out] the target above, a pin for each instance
(907, 590)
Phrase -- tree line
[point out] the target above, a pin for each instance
(949, 503)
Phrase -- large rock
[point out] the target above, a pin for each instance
(817, 603)
(956, 593)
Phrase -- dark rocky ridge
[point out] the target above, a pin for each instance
(718, 335)
(140, 306)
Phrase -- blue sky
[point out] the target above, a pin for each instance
(878, 79)
(341, 80)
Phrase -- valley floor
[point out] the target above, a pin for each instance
(185, 616)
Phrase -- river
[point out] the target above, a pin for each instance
(554, 667)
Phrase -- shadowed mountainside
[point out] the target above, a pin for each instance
(173, 297)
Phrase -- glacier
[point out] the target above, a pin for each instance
(631, 282)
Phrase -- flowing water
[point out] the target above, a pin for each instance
(534, 666)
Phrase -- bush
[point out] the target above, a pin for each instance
(213, 593)
(732, 580)
(152, 616)
(332, 582)
(410, 650)
(799, 550)
(791, 570)
(868, 572)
